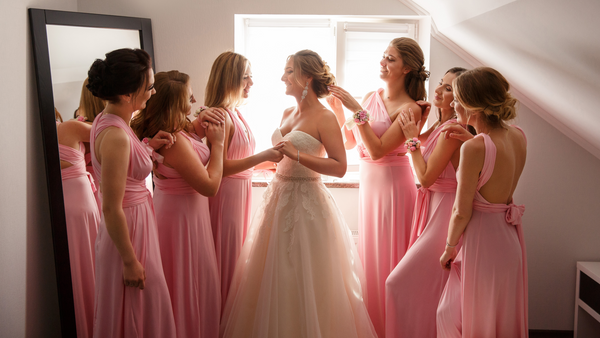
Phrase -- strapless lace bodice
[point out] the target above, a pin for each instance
(306, 144)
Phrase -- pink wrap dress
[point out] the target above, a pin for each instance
(82, 218)
(187, 249)
(128, 311)
(230, 208)
(385, 209)
(414, 288)
(486, 293)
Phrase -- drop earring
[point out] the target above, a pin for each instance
(304, 92)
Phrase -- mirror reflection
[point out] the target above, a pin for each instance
(72, 50)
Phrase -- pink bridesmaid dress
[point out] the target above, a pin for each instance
(414, 288)
(127, 311)
(187, 250)
(230, 208)
(486, 293)
(90, 169)
(385, 209)
(82, 218)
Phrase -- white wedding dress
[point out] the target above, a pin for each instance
(299, 274)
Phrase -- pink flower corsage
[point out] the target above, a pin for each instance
(200, 110)
(81, 118)
(360, 117)
(412, 144)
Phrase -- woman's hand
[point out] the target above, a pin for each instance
(448, 257)
(215, 133)
(336, 107)
(287, 148)
(272, 155)
(425, 109)
(134, 275)
(162, 138)
(347, 100)
(212, 115)
(455, 130)
(408, 125)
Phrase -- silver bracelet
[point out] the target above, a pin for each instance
(451, 246)
(298, 156)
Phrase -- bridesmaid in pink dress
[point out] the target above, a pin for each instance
(89, 107)
(132, 299)
(486, 293)
(228, 85)
(414, 288)
(82, 218)
(182, 183)
(387, 188)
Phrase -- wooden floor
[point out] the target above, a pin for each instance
(550, 334)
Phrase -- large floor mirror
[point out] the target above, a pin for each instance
(64, 45)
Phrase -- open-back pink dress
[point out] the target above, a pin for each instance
(90, 169)
(82, 218)
(385, 209)
(128, 311)
(486, 293)
(414, 288)
(230, 208)
(187, 250)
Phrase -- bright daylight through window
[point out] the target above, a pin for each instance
(351, 46)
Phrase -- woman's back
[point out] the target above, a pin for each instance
(511, 152)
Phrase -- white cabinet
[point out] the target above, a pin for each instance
(587, 300)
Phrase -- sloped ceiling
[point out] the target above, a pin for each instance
(549, 50)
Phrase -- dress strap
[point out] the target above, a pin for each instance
(488, 162)
(433, 138)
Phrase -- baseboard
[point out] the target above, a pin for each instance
(550, 334)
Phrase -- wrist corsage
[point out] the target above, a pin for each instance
(412, 144)
(200, 110)
(360, 117)
(81, 118)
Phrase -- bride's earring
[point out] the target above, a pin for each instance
(305, 91)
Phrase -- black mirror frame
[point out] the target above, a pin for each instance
(38, 19)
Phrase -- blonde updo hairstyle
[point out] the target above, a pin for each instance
(167, 109)
(413, 58)
(224, 87)
(485, 90)
(310, 64)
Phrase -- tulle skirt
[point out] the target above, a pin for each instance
(298, 274)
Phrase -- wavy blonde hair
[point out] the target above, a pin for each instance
(89, 105)
(224, 87)
(167, 109)
(484, 89)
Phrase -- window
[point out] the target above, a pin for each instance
(351, 46)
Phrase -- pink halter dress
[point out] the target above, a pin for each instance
(414, 288)
(187, 249)
(486, 293)
(230, 208)
(82, 218)
(127, 311)
(385, 209)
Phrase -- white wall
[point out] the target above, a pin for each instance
(28, 300)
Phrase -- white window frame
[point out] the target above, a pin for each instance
(419, 26)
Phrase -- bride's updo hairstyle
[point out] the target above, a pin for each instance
(485, 90)
(309, 63)
(224, 87)
(167, 109)
(124, 71)
(413, 58)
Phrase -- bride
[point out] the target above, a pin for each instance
(299, 274)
